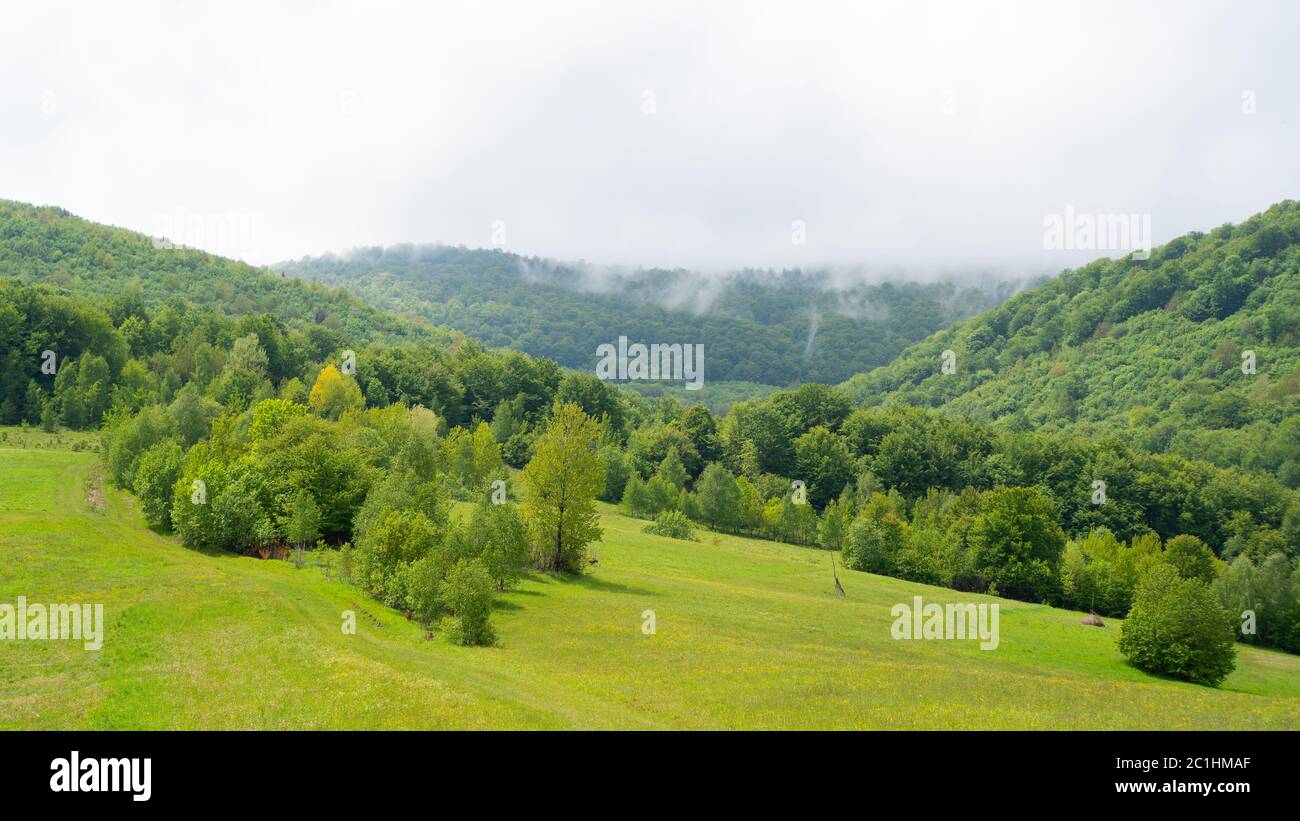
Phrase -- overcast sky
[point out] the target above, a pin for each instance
(705, 135)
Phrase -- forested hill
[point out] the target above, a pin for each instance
(1153, 351)
(756, 326)
(53, 247)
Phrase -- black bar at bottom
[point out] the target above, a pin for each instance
(333, 770)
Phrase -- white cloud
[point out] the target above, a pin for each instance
(918, 135)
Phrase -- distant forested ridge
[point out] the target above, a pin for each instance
(1194, 351)
(51, 246)
(756, 326)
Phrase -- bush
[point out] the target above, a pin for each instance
(674, 524)
(467, 594)
(129, 437)
(155, 477)
(871, 544)
(386, 552)
(423, 587)
(497, 535)
(1178, 628)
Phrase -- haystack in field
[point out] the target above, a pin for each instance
(1093, 620)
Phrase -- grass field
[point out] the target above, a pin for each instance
(750, 634)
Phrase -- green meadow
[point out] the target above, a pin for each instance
(748, 635)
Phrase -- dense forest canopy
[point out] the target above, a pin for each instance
(759, 327)
(1194, 351)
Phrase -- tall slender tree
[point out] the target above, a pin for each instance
(561, 483)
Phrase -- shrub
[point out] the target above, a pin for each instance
(1178, 628)
(127, 438)
(496, 534)
(674, 524)
(467, 594)
(872, 545)
(346, 559)
(383, 556)
(156, 473)
(423, 585)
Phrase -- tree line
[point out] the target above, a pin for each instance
(298, 438)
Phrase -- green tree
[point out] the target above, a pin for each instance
(719, 498)
(94, 385)
(270, 416)
(303, 525)
(244, 376)
(49, 417)
(1192, 558)
(751, 505)
(128, 437)
(192, 414)
(1017, 543)
(872, 544)
(486, 457)
(764, 427)
(636, 499)
(467, 594)
(788, 521)
(1177, 628)
(497, 534)
(834, 523)
(824, 463)
(700, 425)
(562, 481)
(617, 473)
(400, 539)
(662, 493)
(156, 473)
(597, 399)
(672, 471)
(334, 393)
(648, 447)
(508, 419)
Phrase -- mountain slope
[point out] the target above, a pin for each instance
(1152, 351)
(52, 246)
(760, 327)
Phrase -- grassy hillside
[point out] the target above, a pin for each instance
(1150, 350)
(750, 635)
(54, 247)
(756, 326)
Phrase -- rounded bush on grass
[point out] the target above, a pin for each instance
(674, 524)
(1178, 628)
